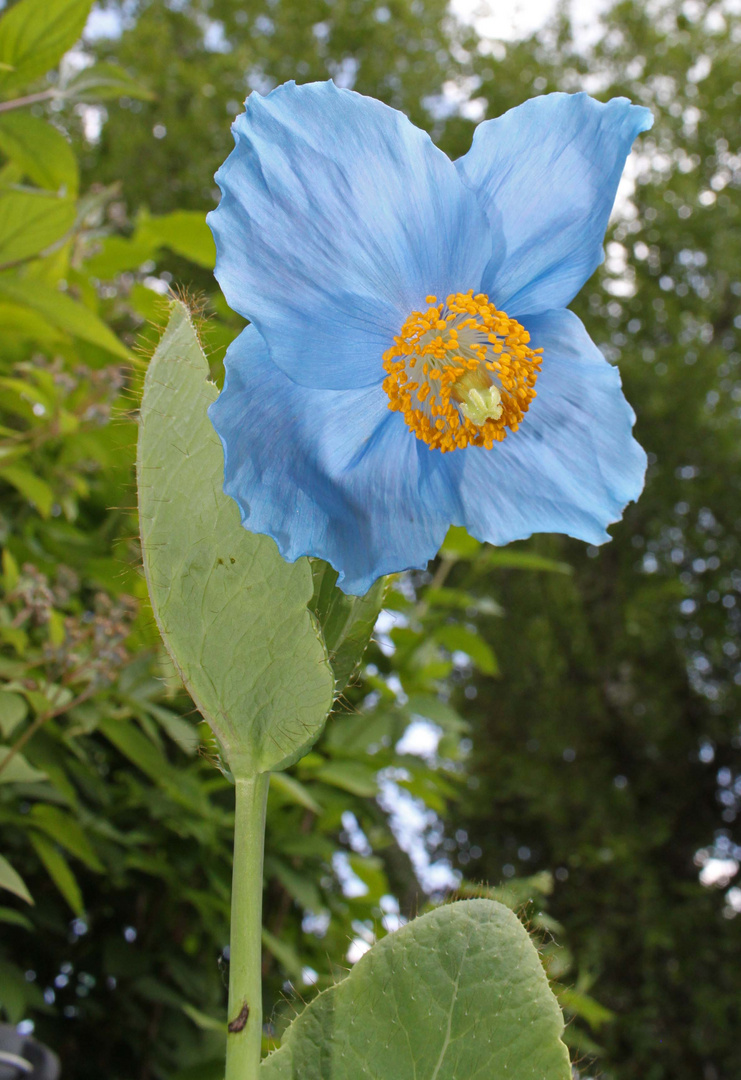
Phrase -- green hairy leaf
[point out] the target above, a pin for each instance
(232, 613)
(34, 35)
(457, 993)
(347, 621)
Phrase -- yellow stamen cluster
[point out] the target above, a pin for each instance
(461, 372)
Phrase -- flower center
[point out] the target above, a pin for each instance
(461, 372)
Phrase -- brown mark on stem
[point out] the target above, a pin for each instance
(239, 1022)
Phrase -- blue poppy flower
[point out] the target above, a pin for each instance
(410, 362)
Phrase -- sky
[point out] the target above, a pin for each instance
(507, 20)
(502, 19)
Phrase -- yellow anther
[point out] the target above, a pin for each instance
(469, 386)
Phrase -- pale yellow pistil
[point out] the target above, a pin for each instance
(461, 373)
(478, 398)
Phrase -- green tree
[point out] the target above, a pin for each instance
(116, 825)
(202, 59)
(627, 667)
(609, 751)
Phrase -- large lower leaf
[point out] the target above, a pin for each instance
(232, 613)
(459, 994)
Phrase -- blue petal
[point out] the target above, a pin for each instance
(546, 174)
(573, 465)
(337, 218)
(327, 473)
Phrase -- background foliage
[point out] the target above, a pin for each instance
(571, 716)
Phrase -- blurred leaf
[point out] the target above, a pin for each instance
(458, 544)
(117, 254)
(57, 632)
(581, 1044)
(347, 621)
(35, 34)
(182, 732)
(355, 734)
(370, 870)
(11, 880)
(211, 1070)
(584, 1006)
(232, 614)
(18, 771)
(31, 221)
(183, 231)
(298, 885)
(202, 1019)
(13, 711)
(63, 312)
(26, 391)
(507, 558)
(11, 917)
(66, 831)
(439, 712)
(45, 156)
(458, 639)
(32, 487)
(154, 989)
(463, 601)
(16, 993)
(102, 81)
(293, 790)
(10, 571)
(286, 956)
(26, 326)
(352, 776)
(420, 987)
(514, 894)
(542, 921)
(138, 749)
(59, 871)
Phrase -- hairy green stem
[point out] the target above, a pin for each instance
(244, 1038)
